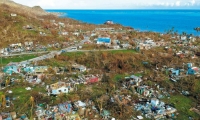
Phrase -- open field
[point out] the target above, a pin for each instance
(6, 60)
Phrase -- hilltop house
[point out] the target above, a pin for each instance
(126, 45)
(13, 15)
(105, 29)
(63, 33)
(16, 47)
(89, 79)
(52, 21)
(28, 46)
(78, 67)
(192, 70)
(183, 38)
(146, 45)
(109, 22)
(28, 27)
(61, 24)
(58, 88)
(93, 34)
(175, 72)
(192, 39)
(76, 33)
(59, 70)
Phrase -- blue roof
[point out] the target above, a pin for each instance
(54, 92)
(66, 107)
(28, 69)
(104, 40)
(10, 69)
(62, 108)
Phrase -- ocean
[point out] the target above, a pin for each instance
(142, 20)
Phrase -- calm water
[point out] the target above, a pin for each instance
(143, 20)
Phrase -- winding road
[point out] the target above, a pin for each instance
(51, 54)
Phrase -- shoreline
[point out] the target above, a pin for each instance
(58, 14)
(176, 29)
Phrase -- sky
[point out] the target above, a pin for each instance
(112, 4)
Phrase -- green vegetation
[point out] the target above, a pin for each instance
(118, 77)
(73, 54)
(182, 104)
(22, 96)
(21, 93)
(17, 58)
(54, 63)
(77, 54)
(122, 51)
(1, 93)
(197, 86)
(97, 91)
(114, 65)
(138, 74)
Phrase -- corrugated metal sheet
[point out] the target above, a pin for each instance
(103, 40)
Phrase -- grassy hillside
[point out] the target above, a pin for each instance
(7, 60)
(13, 29)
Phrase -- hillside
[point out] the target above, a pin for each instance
(19, 23)
(31, 11)
(113, 78)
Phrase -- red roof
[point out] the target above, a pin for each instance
(195, 68)
(93, 80)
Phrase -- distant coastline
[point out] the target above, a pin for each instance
(59, 14)
(161, 21)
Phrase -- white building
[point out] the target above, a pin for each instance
(78, 67)
(13, 15)
(58, 88)
(105, 29)
(183, 38)
(64, 33)
(76, 33)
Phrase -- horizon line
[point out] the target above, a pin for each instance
(130, 9)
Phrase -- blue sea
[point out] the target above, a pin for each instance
(143, 20)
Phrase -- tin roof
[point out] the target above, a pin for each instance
(104, 40)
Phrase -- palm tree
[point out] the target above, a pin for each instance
(184, 33)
